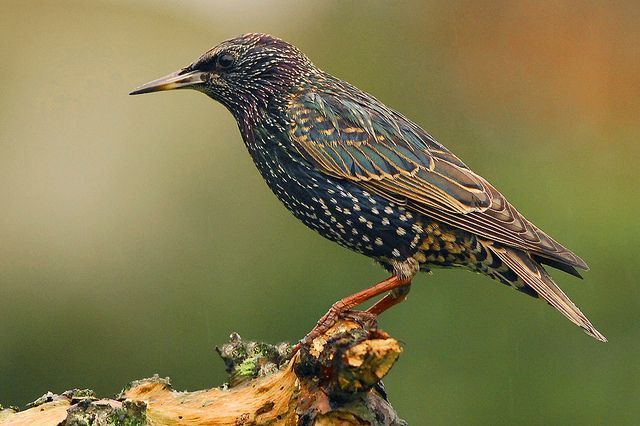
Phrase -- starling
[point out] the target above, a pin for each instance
(370, 179)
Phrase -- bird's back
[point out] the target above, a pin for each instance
(348, 134)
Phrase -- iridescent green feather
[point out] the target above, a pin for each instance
(359, 140)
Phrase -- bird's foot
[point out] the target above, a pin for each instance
(343, 305)
(365, 319)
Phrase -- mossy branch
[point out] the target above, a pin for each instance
(334, 381)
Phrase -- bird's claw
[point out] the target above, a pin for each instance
(365, 319)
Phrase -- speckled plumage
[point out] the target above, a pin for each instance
(368, 178)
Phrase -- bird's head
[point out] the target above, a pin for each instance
(252, 71)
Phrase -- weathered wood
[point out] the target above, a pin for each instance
(335, 381)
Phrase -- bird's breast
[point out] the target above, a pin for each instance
(344, 212)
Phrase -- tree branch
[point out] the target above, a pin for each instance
(334, 381)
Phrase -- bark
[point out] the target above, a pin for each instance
(334, 381)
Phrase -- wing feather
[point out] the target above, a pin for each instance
(361, 141)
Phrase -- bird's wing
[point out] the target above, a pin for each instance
(362, 141)
(349, 142)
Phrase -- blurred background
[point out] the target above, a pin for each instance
(136, 234)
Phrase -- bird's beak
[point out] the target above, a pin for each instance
(177, 80)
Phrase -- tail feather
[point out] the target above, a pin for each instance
(558, 265)
(534, 275)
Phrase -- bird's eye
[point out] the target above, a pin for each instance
(224, 61)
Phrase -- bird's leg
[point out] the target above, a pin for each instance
(349, 302)
(394, 297)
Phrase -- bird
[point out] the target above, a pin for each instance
(368, 178)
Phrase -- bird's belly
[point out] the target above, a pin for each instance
(367, 223)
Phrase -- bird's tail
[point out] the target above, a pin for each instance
(534, 275)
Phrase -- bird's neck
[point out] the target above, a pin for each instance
(259, 128)
(263, 122)
(266, 136)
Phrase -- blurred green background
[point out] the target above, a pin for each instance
(136, 234)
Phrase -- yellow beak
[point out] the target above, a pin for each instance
(177, 80)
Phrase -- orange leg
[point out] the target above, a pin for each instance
(350, 302)
(397, 295)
